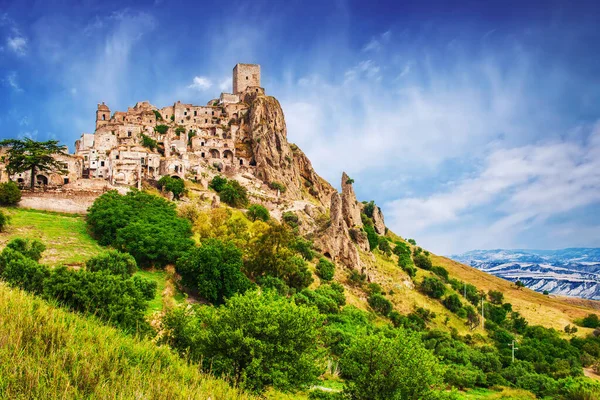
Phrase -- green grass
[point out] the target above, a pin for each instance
(49, 353)
(65, 235)
(501, 393)
(162, 279)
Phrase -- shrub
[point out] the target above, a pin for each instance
(412, 241)
(369, 208)
(452, 303)
(395, 365)
(327, 298)
(290, 218)
(234, 194)
(214, 270)
(3, 221)
(423, 262)
(371, 236)
(179, 130)
(278, 186)
(148, 142)
(591, 321)
(217, 183)
(256, 340)
(380, 304)
(258, 212)
(356, 277)
(157, 115)
(496, 297)
(10, 194)
(162, 129)
(30, 248)
(433, 287)
(304, 247)
(141, 224)
(325, 269)
(441, 272)
(20, 271)
(114, 262)
(173, 185)
(384, 245)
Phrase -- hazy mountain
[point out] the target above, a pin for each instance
(569, 272)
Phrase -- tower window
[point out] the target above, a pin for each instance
(195, 113)
(103, 117)
(102, 163)
(129, 134)
(246, 78)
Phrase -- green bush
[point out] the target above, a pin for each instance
(304, 247)
(143, 225)
(392, 365)
(441, 272)
(10, 194)
(327, 298)
(278, 186)
(256, 340)
(148, 142)
(369, 208)
(214, 270)
(234, 194)
(423, 262)
(258, 212)
(173, 185)
(496, 297)
(452, 303)
(217, 183)
(3, 221)
(291, 219)
(371, 236)
(433, 287)
(325, 269)
(157, 115)
(384, 245)
(380, 304)
(114, 262)
(20, 271)
(591, 321)
(30, 248)
(162, 129)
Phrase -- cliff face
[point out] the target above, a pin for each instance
(277, 160)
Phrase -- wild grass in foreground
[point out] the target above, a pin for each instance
(48, 353)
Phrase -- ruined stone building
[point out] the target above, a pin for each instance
(146, 142)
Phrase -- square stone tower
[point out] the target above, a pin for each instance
(245, 75)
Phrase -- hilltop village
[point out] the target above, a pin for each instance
(146, 142)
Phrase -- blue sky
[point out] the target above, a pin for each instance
(472, 124)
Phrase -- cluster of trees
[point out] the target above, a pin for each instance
(105, 288)
(143, 225)
(230, 191)
(173, 185)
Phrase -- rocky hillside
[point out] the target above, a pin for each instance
(568, 272)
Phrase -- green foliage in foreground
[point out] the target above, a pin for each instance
(258, 212)
(214, 270)
(144, 225)
(10, 194)
(255, 340)
(3, 221)
(48, 353)
(116, 263)
(391, 365)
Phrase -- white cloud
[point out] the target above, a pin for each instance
(522, 186)
(200, 83)
(11, 80)
(377, 43)
(17, 44)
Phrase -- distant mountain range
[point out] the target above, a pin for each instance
(568, 272)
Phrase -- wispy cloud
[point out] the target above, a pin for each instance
(11, 80)
(18, 44)
(201, 83)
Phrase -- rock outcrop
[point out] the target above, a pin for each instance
(350, 206)
(378, 222)
(335, 240)
(278, 161)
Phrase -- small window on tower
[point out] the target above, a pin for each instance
(246, 78)
(129, 134)
(102, 163)
(195, 113)
(103, 117)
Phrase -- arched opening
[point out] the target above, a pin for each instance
(228, 156)
(21, 180)
(175, 177)
(202, 154)
(326, 254)
(41, 180)
(214, 153)
(241, 162)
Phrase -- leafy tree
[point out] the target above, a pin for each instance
(234, 194)
(278, 186)
(30, 248)
(325, 269)
(258, 339)
(29, 155)
(372, 236)
(148, 142)
(304, 247)
(519, 284)
(114, 262)
(10, 194)
(144, 225)
(290, 218)
(591, 321)
(412, 241)
(433, 287)
(452, 303)
(369, 208)
(162, 129)
(393, 366)
(441, 272)
(423, 262)
(217, 183)
(173, 185)
(214, 270)
(496, 297)
(384, 245)
(19, 270)
(258, 212)
(3, 221)
(380, 304)
(327, 298)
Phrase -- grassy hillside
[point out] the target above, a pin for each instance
(65, 235)
(48, 353)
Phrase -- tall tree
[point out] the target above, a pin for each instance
(24, 155)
